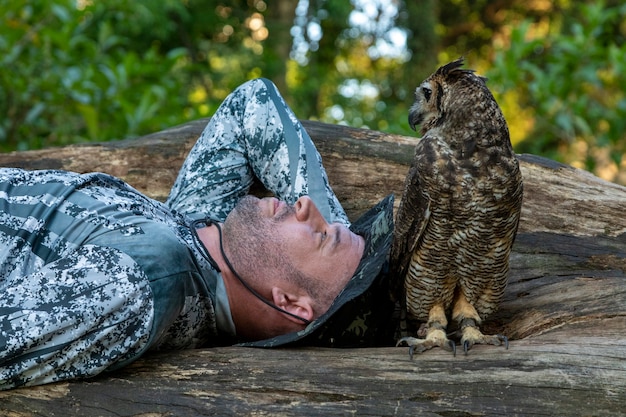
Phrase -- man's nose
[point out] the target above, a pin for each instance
(306, 211)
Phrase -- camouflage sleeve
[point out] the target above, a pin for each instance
(73, 318)
(253, 133)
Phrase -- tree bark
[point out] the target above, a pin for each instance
(564, 308)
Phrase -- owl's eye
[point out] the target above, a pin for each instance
(427, 93)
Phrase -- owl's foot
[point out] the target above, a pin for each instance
(435, 337)
(471, 335)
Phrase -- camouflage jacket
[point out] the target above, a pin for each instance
(93, 273)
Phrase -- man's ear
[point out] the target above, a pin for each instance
(300, 305)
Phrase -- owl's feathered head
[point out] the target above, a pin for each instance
(449, 88)
(451, 69)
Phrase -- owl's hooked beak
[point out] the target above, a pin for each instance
(415, 118)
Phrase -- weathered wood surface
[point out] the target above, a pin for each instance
(534, 377)
(565, 309)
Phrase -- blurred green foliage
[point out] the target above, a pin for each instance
(94, 70)
(68, 76)
(573, 77)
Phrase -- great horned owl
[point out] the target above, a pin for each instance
(460, 210)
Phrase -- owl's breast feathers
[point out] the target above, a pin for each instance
(457, 220)
(460, 209)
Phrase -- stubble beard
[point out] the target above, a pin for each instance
(253, 243)
(258, 252)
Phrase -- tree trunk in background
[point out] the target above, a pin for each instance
(279, 21)
(420, 18)
(320, 69)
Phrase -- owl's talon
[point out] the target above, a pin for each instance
(462, 291)
(406, 341)
(436, 338)
(452, 347)
(503, 339)
(411, 342)
(466, 346)
(472, 336)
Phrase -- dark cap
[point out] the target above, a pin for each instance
(360, 314)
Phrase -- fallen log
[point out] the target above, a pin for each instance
(564, 309)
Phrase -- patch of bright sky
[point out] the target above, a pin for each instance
(358, 90)
(375, 18)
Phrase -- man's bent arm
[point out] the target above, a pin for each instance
(253, 133)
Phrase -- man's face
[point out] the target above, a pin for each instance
(328, 252)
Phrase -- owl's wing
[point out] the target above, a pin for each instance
(412, 216)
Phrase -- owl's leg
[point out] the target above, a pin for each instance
(466, 315)
(435, 334)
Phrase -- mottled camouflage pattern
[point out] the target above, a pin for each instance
(252, 134)
(80, 265)
(87, 316)
(60, 295)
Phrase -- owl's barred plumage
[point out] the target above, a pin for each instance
(460, 209)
